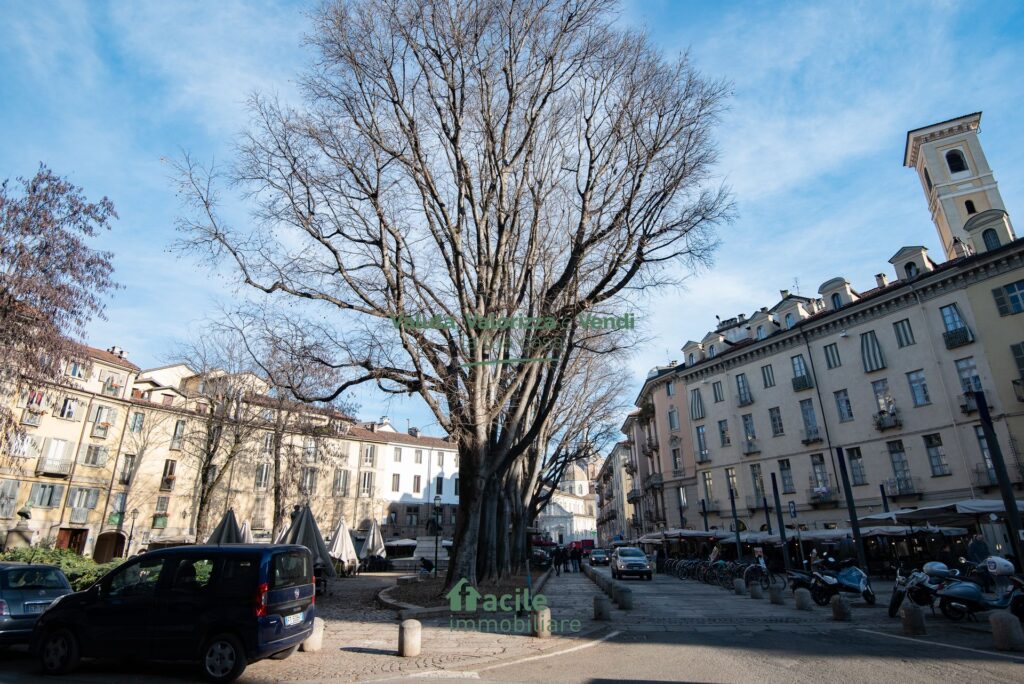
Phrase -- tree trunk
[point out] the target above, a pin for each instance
(488, 546)
(463, 559)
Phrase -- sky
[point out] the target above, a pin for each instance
(811, 144)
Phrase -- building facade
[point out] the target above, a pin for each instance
(571, 513)
(614, 482)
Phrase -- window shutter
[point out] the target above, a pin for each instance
(92, 414)
(104, 453)
(83, 452)
(92, 498)
(33, 495)
(112, 418)
(46, 447)
(1018, 356)
(871, 352)
(8, 497)
(1000, 296)
(56, 496)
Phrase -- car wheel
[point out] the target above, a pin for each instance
(282, 655)
(222, 658)
(59, 652)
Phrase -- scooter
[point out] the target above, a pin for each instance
(965, 599)
(921, 586)
(832, 578)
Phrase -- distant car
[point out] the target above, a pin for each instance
(26, 590)
(599, 557)
(540, 559)
(629, 560)
(223, 606)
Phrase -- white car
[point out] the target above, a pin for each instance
(629, 560)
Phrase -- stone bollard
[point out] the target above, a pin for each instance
(803, 599)
(623, 596)
(776, 595)
(542, 623)
(315, 641)
(841, 609)
(756, 592)
(409, 635)
(739, 587)
(602, 608)
(1006, 631)
(912, 618)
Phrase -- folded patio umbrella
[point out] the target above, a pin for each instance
(246, 533)
(304, 531)
(374, 544)
(341, 547)
(227, 530)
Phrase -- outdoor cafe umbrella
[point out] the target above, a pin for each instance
(246, 533)
(374, 544)
(341, 548)
(957, 513)
(304, 531)
(227, 531)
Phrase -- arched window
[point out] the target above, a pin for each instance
(837, 301)
(910, 269)
(711, 351)
(955, 161)
(760, 332)
(789, 321)
(691, 359)
(991, 238)
(928, 180)
(969, 206)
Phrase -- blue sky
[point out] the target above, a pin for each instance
(811, 145)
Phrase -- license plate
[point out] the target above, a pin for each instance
(290, 620)
(33, 608)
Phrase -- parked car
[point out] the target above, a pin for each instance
(221, 606)
(599, 557)
(540, 559)
(26, 590)
(629, 560)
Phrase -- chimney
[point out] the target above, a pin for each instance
(384, 420)
(881, 280)
(783, 294)
(414, 432)
(116, 351)
(764, 309)
(742, 317)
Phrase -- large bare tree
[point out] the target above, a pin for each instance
(469, 160)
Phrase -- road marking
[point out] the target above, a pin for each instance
(443, 674)
(591, 644)
(942, 645)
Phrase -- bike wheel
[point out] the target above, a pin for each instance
(950, 611)
(869, 596)
(895, 601)
(821, 594)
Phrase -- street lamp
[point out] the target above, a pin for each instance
(437, 529)
(131, 532)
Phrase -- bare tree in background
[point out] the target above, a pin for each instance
(470, 160)
(52, 283)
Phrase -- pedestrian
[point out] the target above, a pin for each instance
(557, 561)
(576, 557)
(566, 559)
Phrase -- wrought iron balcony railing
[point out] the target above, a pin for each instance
(888, 420)
(802, 382)
(811, 435)
(47, 465)
(958, 338)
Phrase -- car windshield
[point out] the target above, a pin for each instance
(33, 578)
(631, 553)
(598, 552)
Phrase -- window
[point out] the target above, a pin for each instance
(979, 433)
(1010, 298)
(837, 301)
(871, 352)
(412, 516)
(167, 479)
(262, 475)
(819, 474)
(723, 432)
(786, 475)
(955, 161)
(366, 483)
(268, 443)
(730, 477)
(416, 484)
(910, 269)
(418, 456)
(137, 421)
(396, 482)
(832, 359)
(83, 497)
(843, 406)
(677, 459)
(309, 449)
(103, 417)
(991, 239)
(748, 427)
(167, 399)
(928, 180)
(716, 388)
(743, 388)
(951, 318)
(709, 485)
(970, 208)
(810, 419)
(967, 371)
(856, 461)
(1018, 356)
(58, 450)
(134, 579)
(76, 369)
(758, 480)
(398, 456)
(440, 459)
(702, 445)
(45, 495)
(369, 455)
(179, 434)
(904, 333)
(127, 469)
(936, 459)
(768, 376)
(341, 478)
(918, 388)
(711, 352)
(760, 332)
(696, 405)
(775, 415)
(670, 388)
(673, 419)
(439, 485)
(799, 366)
(900, 466)
(117, 506)
(789, 321)
(456, 481)
(690, 360)
(68, 408)
(95, 455)
(880, 388)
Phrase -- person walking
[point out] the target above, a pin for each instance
(577, 556)
(557, 560)
(566, 559)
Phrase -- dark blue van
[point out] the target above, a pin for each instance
(221, 606)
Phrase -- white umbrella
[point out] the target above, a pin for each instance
(374, 544)
(247, 537)
(341, 547)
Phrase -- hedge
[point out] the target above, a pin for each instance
(80, 571)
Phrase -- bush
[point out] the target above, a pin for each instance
(80, 571)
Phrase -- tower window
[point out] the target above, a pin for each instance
(837, 301)
(955, 161)
(969, 206)
(910, 269)
(991, 239)
(928, 180)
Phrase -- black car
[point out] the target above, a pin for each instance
(221, 606)
(599, 557)
(26, 590)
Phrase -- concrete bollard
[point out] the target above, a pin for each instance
(776, 595)
(912, 618)
(841, 609)
(315, 641)
(623, 596)
(409, 635)
(542, 623)
(803, 599)
(602, 608)
(756, 592)
(739, 587)
(1006, 631)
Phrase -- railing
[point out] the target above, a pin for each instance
(886, 420)
(259, 524)
(750, 447)
(985, 476)
(968, 404)
(79, 516)
(629, 467)
(802, 382)
(712, 506)
(745, 399)
(654, 480)
(53, 466)
(957, 338)
(1018, 389)
(755, 503)
(31, 417)
(703, 456)
(822, 491)
(650, 447)
(811, 435)
(634, 495)
(100, 430)
(903, 486)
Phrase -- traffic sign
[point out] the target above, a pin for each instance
(792, 509)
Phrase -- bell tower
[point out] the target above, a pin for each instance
(957, 181)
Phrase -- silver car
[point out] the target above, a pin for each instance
(25, 592)
(629, 560)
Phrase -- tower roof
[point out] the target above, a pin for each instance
(942, 129)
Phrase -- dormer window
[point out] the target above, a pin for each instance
(837, 301)
(760, 332)
(969, 206)
(790, 321)
(689, 362)
(991, 239)
(711, 351)
(911, 269)
(955, 161)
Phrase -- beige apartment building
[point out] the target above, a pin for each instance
(614, 483)
(881, 372)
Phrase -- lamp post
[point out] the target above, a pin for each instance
(437, 529)
(131, 532)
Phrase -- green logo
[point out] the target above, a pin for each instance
(455, 597)
(504, 611)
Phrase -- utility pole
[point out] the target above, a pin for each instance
(735, 523)
(782, 526)
(851, 508)
(1005, 488)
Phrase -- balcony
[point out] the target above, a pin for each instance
(634, 495)
(629, 467)
(650, 447)
(31, 416)
(750, 447)
(703, 456)
(811, 435)
(985, 477)
(957, 338)
(802, 382)
(968, 404)
(756, 503)
(888, 420)
(159, 521)
(116, 518)
(712, 506)
(58, 467)
(822, 491)
(79, 516)
(745, 399)
(654, 481)
(1018, 389)
(905, 486)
